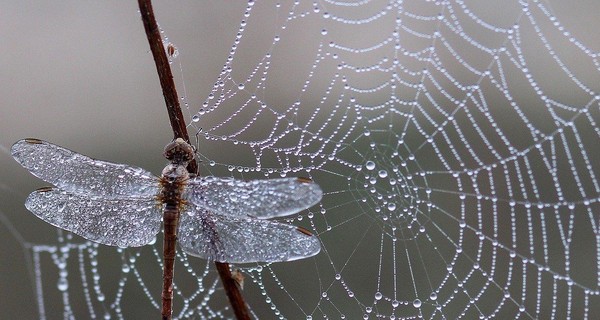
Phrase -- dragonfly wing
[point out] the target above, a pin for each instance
(124, 222)
(243, 240)
(80, 174)
(262, 199)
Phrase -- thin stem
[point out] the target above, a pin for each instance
(179, 131)
(235, 296)
(164, 70)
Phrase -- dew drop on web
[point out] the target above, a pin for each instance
(417, 303)
(370, 165)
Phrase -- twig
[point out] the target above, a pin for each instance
(179, 130)
(233, 292)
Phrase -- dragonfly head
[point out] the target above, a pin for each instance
(179, 152)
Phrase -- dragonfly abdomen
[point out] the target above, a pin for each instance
(172, 183)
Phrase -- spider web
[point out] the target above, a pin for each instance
(454, 141)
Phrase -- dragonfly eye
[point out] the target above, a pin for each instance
(179, 151)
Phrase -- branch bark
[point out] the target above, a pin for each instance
(180, 131)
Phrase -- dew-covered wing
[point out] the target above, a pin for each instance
(262, 199)
(124, 222)
(80, 174)
(243, 239)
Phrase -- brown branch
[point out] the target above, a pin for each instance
(233, 291)
(179, 131)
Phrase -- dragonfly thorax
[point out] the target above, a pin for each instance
(172, 181)
(175, 173)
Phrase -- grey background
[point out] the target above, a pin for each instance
(80, 75)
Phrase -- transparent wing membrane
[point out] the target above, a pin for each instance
(258, 198)
(80, 174)
(243, 240)
(115, 204)
(125, 222)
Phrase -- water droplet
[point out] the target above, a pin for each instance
(370, 165)
(383, 174)
(417, 303)
(62, 284)
(433, 296)
(378, 296)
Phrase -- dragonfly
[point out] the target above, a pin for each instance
(214, 218)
